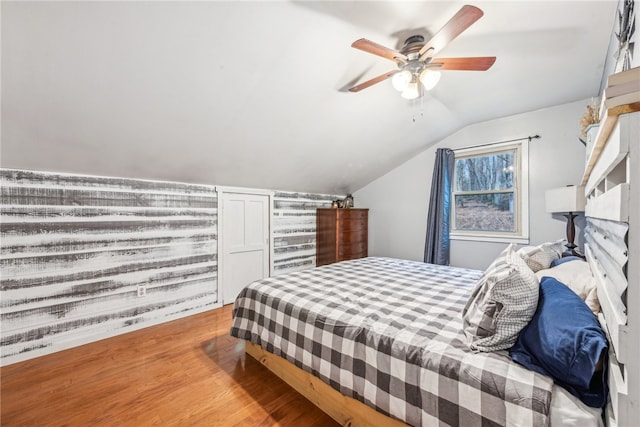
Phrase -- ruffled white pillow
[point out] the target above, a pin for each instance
(578, 277)
(541, 256)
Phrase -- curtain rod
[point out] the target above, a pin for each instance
(498, 142)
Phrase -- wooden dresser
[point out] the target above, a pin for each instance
(341, 234)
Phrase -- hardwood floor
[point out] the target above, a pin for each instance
(186, 372)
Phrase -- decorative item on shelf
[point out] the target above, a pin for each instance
(592, 133)
(589, 123)
(567, 200)
(348, 201)
(334, 204)
(626, 28)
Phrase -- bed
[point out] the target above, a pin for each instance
(380, 341)
(387, 334)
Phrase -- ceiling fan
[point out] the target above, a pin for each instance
(417, 65)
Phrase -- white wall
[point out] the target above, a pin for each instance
(398, 201)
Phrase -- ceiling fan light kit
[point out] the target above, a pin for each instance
(429, 79)
(411, 92)
(401, 80)
(416, 60)
(412, 73)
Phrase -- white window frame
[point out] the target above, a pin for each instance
(520, 191)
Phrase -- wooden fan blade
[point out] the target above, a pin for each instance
(376, 49)
(462, 20)
(373, 81)
(480, 63)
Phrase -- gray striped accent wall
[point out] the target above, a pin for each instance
(75, 248)
(294, 229)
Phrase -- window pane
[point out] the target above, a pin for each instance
(485, 212)
(487, 172)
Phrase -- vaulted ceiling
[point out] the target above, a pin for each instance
(253, 94)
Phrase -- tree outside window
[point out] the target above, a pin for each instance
(487, 192)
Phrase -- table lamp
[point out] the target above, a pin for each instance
(567, 200)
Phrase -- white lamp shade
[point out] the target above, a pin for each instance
(429, 79)
(411, 92)
(565, 199)
(401, 80)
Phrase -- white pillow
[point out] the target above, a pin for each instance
(541, 256)
(502, 303)
(578, 277)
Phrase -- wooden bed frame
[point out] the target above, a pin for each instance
(612, 181)
(345, 410)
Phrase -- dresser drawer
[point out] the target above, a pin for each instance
(349, 225)
(352, 250)
(353, 214)
(353, 236)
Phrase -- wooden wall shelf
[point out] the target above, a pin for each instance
(607, 124)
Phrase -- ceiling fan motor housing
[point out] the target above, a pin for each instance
(413, 44)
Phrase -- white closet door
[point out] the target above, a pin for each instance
(245, 242)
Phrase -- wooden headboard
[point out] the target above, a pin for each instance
(612, 183)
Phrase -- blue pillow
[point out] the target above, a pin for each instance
(564, 340)
(559, 261)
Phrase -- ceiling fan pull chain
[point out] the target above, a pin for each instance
(417, 103)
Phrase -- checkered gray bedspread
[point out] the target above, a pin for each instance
(388, 333)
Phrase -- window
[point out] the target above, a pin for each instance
(490, 192)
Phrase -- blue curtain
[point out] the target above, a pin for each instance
(436, 248)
